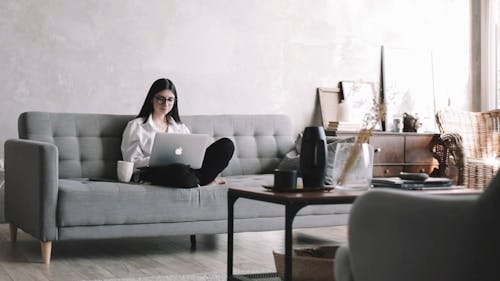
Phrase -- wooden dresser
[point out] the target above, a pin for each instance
(401, 152)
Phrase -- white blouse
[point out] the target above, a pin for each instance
(138, 137)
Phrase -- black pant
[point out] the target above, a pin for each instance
(216, 159)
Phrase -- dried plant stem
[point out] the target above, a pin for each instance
(363, 137)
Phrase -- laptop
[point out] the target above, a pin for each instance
(170, 148)
(428, 184)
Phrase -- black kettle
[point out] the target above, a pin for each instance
(313, 157)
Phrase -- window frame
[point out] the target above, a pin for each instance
(490, 54)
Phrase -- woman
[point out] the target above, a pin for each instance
(159, 113)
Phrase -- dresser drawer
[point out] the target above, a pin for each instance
(418, 149)
(387, 171)
(388, 149)
(424, 168)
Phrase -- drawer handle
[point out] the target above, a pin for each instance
(378, 149)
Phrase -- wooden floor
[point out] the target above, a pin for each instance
(103, 259)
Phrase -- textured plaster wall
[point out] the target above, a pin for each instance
(225, 56)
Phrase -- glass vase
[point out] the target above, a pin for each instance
(353, 166)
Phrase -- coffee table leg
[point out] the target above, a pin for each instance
(290, 212)
(230, 233)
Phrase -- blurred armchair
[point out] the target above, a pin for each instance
(399, 235)
(470, 145)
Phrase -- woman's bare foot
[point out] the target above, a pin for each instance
(218, 181)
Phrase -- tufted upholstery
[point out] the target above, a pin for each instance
(260, 141)
(89, 144)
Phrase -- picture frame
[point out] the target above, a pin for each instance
(408, 80)
(361, 98)
(329, 100)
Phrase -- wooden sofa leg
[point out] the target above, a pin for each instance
(193, 241)
(13, 232)
(46, 251)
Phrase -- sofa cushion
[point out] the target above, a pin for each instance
(82, 202)
(85, 203)
(213, 200)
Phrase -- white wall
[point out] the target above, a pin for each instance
(225, 56)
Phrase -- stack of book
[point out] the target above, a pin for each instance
(343, 126)
(427, 184)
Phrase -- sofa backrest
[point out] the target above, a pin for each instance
(89, 144)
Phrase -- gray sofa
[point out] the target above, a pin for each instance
(48, 193)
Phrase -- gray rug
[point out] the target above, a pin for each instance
(214, 276)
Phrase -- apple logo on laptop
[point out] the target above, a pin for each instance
(178, 151)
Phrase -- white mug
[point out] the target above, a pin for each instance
(124, 170)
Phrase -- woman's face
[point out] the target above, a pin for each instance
(163, 102)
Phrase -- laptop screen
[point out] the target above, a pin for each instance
(170, 148)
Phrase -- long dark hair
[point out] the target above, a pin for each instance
(158, 86)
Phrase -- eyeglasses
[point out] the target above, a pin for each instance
(164, 100)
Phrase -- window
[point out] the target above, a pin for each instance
(497, 65)
(490, 54)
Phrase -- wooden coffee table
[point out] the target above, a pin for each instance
(293, 202)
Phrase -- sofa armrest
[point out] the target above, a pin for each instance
(31, 186)
(404, 235)
(342, 264)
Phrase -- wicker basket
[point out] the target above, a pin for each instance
(315, 264)
(479, 172)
